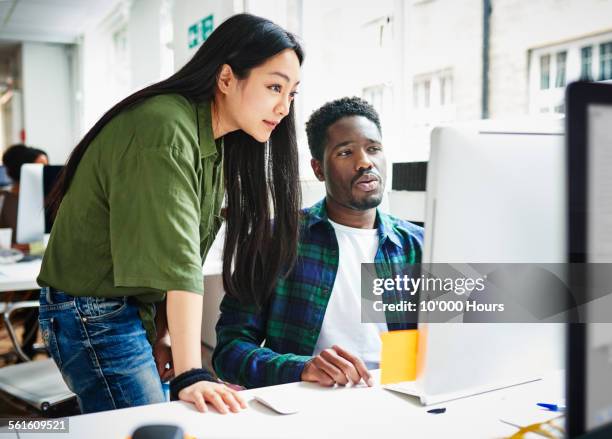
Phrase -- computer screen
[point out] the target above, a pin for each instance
(496, 195)
(33, 221)
(599, 245)
(590, 217)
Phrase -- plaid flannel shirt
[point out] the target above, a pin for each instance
(272, 345)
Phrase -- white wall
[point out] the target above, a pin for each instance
(279, 11)
(106, 77)
(442, 35)
(110, 72)
(47, 98)
(144, 39)
(349, 46)
(122, 53)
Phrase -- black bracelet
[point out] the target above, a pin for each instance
(188, 378)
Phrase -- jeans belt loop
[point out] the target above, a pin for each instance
(49, 297)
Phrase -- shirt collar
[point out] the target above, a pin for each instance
(318, 214)
(208, 146)
(386, 229)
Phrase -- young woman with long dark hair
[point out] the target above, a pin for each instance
(137, 208)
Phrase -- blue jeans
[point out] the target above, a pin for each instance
(101, 349)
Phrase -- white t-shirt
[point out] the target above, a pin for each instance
(342, 321)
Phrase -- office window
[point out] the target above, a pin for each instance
(551, 68)
(375, 96)
(433, 98)
(433, 90)
(166, 34)
(561, 67)
(416, 101)
(121, 60)
(422, 93)
(586, 63)
(446, 90)
(605, 61)
(380, 96)
(544, 72)
(120, 46)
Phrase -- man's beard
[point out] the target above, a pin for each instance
(366, 203)
(370, 201)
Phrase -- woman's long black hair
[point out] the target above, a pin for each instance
(258, 176)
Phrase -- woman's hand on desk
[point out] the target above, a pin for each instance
(336, 366)
(219, 395)
(184, 316)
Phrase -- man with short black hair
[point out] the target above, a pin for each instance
(311, 328)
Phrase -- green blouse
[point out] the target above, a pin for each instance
(143, 207)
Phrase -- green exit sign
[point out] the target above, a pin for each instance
(200, 31)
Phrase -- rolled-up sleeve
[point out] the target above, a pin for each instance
(154, 205)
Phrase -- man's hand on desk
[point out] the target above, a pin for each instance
(336, 366)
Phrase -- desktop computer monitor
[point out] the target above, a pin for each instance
(33, 221)
(496, 194)
(589, 149)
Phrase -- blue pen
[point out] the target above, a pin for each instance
(552, 407)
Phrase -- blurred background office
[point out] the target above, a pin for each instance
(419, 62)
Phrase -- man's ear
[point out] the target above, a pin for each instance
(317, 168)
(225, 78)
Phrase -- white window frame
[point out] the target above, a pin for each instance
(380, 96)
(551, 100)
(427, 105)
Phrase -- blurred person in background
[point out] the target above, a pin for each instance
(13, 159)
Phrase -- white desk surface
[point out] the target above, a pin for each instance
(19, 276)
(22, 275)
(358, 412)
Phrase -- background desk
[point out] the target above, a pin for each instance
(359, 412)
(17, 277)
(20, 276)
